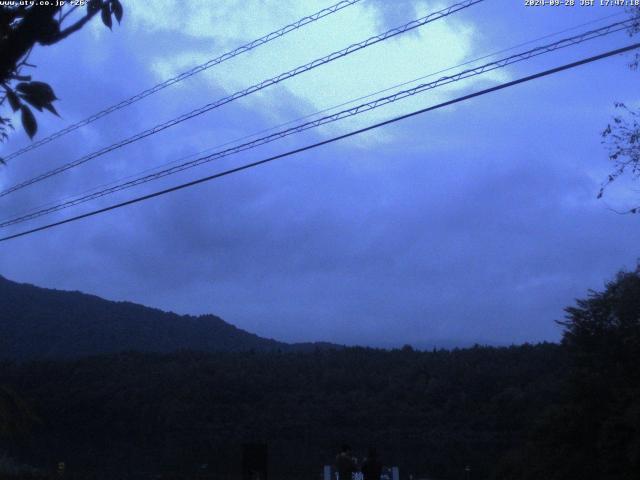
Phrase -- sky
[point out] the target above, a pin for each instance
(473, 223)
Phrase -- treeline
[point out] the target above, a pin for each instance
(528, 412)
(433, 412)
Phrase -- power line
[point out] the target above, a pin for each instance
(310, 115)
(316, 113)
(253, 89)
(189, 73)
(325, 142)
(563, 43)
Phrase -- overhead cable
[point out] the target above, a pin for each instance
(248, 91)
(184, 75)
(324, 142)
(356, 110)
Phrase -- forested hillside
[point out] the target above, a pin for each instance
(425, 411)
(557, 412)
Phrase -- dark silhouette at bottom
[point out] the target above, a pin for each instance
(346, 464)
(371, 466)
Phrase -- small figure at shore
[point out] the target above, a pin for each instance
(346, 465)
(371, 467)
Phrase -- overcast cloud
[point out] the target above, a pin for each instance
(477, 222)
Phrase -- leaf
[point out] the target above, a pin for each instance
(32, 102)
(116, 8)
(2, 161)
(52, 109)
(106, 15)
(37, 93)
(29, 121)
(14, 101)
(40, 89)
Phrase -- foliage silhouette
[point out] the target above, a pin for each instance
(23, 26)
(593, 432)
(622, 135)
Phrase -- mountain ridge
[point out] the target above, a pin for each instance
(42, 323)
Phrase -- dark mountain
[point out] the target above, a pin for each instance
(40, 323)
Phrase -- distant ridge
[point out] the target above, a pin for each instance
(40, 323)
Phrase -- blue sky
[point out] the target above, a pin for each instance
(477, 222)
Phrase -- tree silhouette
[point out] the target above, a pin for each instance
(22, 27)
(593, 432)
(622, 135)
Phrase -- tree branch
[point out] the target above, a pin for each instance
(71, 29)
(21, 39)
(67, 13)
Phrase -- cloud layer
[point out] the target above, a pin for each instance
(473, 223)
